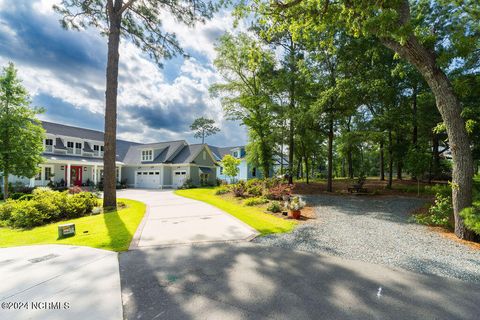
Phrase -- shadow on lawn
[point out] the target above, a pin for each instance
(240, 281)
(117, 231)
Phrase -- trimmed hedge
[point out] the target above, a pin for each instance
(45, 206)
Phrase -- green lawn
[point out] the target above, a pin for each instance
(254, 217)
(111, 231)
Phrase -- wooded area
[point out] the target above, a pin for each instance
(352, 90)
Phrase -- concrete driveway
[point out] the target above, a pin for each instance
(231, 281)
(59, 282)
(171, 219)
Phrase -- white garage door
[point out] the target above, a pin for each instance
(149, 179)
(179, 178)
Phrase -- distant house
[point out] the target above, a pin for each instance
(246, 171)
(74, 156)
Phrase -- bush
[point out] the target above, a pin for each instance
(255, 190)
(255, 201)
(74, 190)
(278, 192)
(443, 189)
(26, 197)
(471, 217)
(274, 207)
(221, 190)
(188, 184)
(439, 214)
(16, 195)
(46, 205)
(239, 188)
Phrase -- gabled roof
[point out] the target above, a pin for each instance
(220, 152)
(188, 153)
(165, 150)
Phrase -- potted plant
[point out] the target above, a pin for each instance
(295, 205)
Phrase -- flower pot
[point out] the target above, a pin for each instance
(294, 214)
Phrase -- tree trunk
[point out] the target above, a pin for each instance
(390, 160)
(299, 168)
(449, 107)
(5, 185)
(382, 162)
(436, 156)
(307, 171)
(399, 161)
(291, 145)
(109, 158)
(330, 157)
(350, 164)
(415, 123)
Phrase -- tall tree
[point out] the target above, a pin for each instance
(21, 134)
(140, 22)
(437, 28)
(204, 127)
(246, 69)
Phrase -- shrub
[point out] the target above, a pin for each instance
(439, 214)
(239, 188)
(274, 207)
(279, 192)
(221, 190)
(471, 217)
(443, 189)
(255, 190)
(295, 203)
(255, 201)
(188, 184)
(26, 197)
(272, 182)
(46, 206)
(16, 195)
(74, 190)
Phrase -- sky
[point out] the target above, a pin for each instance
(64, 72)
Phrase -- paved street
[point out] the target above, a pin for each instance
(84, 281)
(251, 281)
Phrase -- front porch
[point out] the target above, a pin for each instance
(71, 173)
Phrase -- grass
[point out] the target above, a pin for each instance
(253, 216)
(110, 231)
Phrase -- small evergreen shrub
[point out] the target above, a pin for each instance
(255, 190)
(274, 207)
(255, 201)
(439, 214)
(16, 195)
(471, 217)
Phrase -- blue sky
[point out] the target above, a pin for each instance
(64, 72)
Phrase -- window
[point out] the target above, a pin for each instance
(101, 151)
(203, 179)
(48, 145)
(221, 170)
(78, 148)
(157, 173)
(70, 147)
(147, 155)
(235, 154)
(48, 173)
(96, 150)
(254, 172)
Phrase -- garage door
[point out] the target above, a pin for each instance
(149, 179)
(179, 178)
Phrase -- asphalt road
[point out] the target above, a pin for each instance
(251, 281)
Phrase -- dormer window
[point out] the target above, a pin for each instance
(70, 146)
(235, 154)
(48, 145)
(78, 148)
(97, 150)
(147, 155)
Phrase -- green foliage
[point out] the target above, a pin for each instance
(255, 187)
(204, 127)
(471, 217)
(440, 213)
(188, 184)
(46, 206)
(21, 135)
(278, 192)
(255, 201)
(274, 206)
(222, 190)
(230, 165)
(16, 195)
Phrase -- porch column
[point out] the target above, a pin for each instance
(119, 174)
(42, 176)
(69, 174)
(32, 182)
(95, 174)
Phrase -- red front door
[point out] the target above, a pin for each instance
(76, 175)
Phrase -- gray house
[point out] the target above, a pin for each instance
(75, 155)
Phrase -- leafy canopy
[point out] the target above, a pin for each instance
(204, 127)
(230, 165)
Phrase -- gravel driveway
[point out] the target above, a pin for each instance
(377, 230)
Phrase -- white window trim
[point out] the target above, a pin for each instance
(150, 158)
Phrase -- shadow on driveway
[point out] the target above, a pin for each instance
(240, 281)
